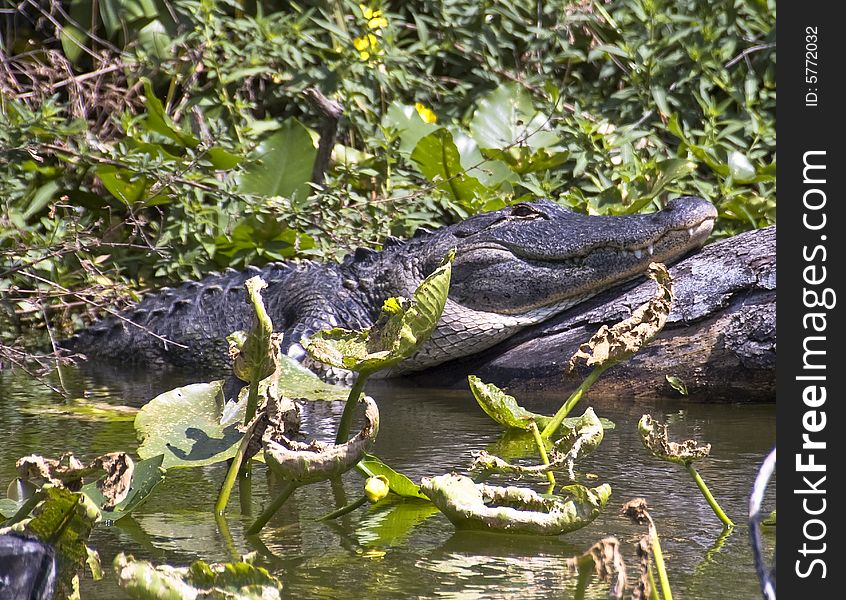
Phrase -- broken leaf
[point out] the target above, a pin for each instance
(655, 438)
(612, 344)
(401, 328)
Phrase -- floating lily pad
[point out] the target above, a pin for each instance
(307, 463)
(141, 579)
(184, 425)
(512, 509)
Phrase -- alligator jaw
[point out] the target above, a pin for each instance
(516, 268)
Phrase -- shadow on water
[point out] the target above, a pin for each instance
(407, 549)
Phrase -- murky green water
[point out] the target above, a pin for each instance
(408, 550)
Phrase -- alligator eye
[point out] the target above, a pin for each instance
(526, 211)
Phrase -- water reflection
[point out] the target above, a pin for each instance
(406, 549)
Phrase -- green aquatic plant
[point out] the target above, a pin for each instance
(612, 345)
(469, 505)
(63, 519)
(655, 438)
(399, 331)
(649, 549)
(143, 580)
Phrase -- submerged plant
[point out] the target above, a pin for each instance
(655, 438)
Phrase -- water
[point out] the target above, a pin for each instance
(406, 549)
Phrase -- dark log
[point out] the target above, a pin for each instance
(720, 338)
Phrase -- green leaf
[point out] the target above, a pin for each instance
(296, 381)
(155, 39)
(505, 410)
(141, 579)
(223, 159)
(63, 519)
(437, 158)
(185, 426)
(677, 384)
(126, 186)
(42, 197)
(401, 328)
(159, 121)
(401, 485)
(282, 164)
(146, 476)
(73, 41)
(256, 355)
(506, 117)
(405, 120)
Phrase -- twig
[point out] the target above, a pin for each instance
(747, 52)
(113, 313)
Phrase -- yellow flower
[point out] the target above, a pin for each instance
(374, 18)
(426, 113)
(361, 44)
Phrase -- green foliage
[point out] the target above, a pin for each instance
(185, 142)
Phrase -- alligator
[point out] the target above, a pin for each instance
(513, 268)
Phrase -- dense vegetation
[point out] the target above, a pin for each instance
(156, 140)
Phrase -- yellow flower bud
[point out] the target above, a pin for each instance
(426, 113)
(376, 488)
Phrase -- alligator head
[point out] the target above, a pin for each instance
(523, 264)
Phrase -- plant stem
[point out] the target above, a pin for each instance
(232, 473)
(653, 589)
(271, 508)
(542, 449)
(658, 555)
(344, 509)
(349, 409)
(574, 398)
(712, 502)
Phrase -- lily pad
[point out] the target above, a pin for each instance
(307, 463)
(185, 426)
(401, 328)
(401, 485)
(505, 410)
(512, 509)
(141, 579)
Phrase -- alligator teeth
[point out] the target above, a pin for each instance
(638, 253)
(651, 249)
(690, 232)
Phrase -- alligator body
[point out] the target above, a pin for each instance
(513, 268)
